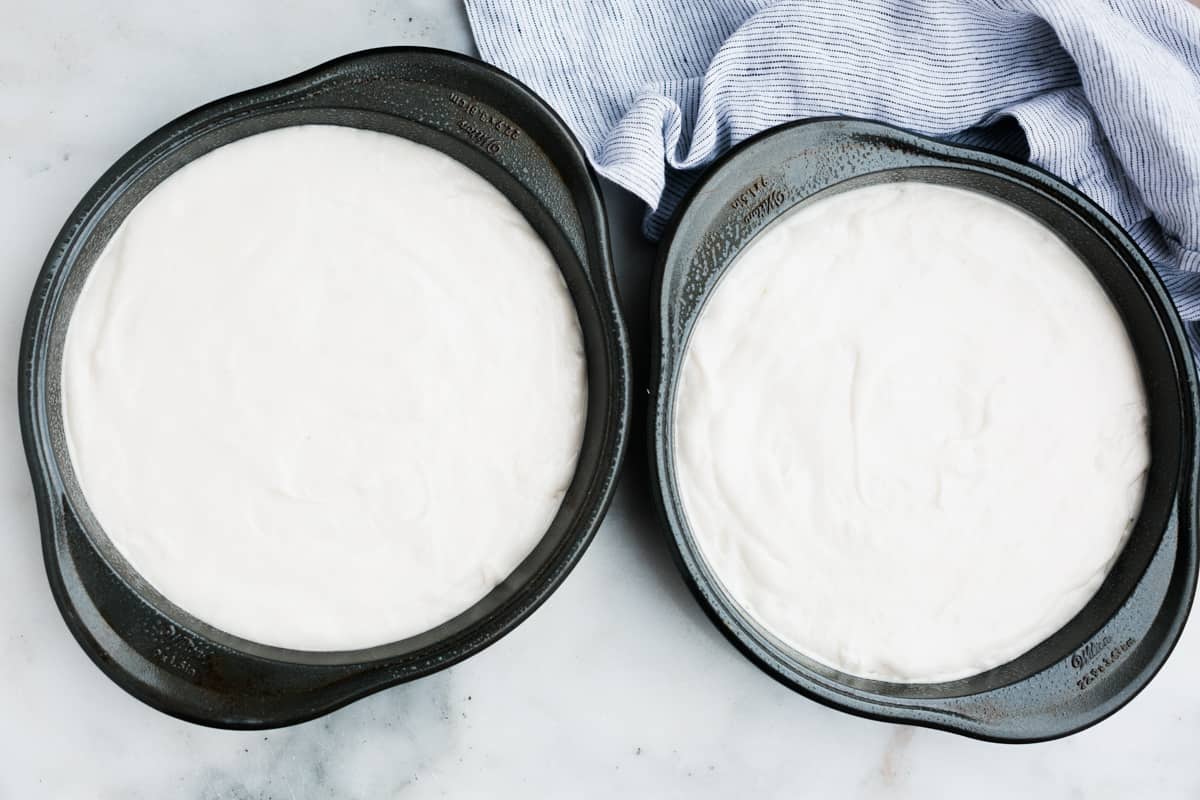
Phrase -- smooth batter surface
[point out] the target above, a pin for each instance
(325, 388)
(910, 432)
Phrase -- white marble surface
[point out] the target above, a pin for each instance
(618, 686)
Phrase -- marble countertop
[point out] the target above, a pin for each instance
(618, 686)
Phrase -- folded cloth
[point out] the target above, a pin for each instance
(1103, 93)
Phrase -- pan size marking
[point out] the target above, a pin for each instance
(175, 662)
(1097, 656)
(170, 653)
(483, 126)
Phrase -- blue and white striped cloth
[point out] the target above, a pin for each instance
(1103, 93)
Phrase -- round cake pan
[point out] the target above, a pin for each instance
(464, 108)
(1101, 658)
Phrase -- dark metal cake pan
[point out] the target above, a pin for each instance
(1108, 652)
(462, 107)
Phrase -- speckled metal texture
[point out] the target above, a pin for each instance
(1114, 646)
(491, 123)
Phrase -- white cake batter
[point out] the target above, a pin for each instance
(325, 388)
(910, 432)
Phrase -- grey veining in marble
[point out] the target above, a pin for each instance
(617, 687)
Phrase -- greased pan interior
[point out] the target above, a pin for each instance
(1100, 659)
(462, 107)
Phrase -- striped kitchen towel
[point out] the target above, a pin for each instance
(1103, 93)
